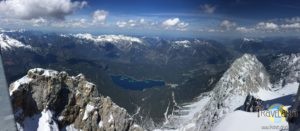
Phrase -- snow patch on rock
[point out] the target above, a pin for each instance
(88, 109)
(39, 122)
(46, 123)
(15, 86)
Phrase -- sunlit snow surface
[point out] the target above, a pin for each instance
(210, 110)
(246, 121)
(249, 121)
(8, 43)
(40, 122)
(237, 120)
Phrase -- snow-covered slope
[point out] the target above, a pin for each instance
(8, 43)
(246, 121)
(245, 76)
(249, 121)
(220, 109)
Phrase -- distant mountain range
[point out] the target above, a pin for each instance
(213, 76)
(222, 108)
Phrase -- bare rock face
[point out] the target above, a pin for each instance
(59, 101)
(286, 69)
(252, 104)
(294, 118)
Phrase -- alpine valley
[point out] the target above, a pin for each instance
(118, 82)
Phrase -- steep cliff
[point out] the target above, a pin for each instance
(51, 100)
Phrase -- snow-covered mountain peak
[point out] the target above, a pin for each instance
(188, 43)
(8, 43)
(182, 43)
(245, 39)
(12, 31)
(109, 38)
(246, 75)
(86, 36)
(122, 42)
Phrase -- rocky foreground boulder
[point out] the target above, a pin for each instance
(252, 104)
(51, 100)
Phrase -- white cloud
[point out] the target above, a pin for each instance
(260, 27)
(182, 26)
(175, 23)
(99, 16)
(142, 20)
(291, 26)
(213, 30)
(245, 30)
(227, 25)
(39, 22)
(35, 9)
(79, 23)
(171, 22)
(267, 26)
(76, 23)
(133, 23)
(121, 24)
(293, 20)
(207, 8)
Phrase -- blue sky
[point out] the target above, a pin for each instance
(180, 18)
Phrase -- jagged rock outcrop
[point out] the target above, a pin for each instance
(57, 101)
(286, 69)
(245, 76)
(293, 115)
(252, 104)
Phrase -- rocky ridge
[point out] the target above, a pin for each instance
(51, 100)
(245, 76)
(8, 43)
(286, 69)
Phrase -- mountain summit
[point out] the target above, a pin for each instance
(51, 100)
(246, 75)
